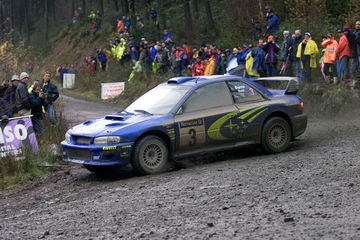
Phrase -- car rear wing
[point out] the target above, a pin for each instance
(290, 85)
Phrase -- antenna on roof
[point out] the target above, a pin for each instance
(196, 80)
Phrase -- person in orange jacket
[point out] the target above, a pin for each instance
(120, 26)
(343, 53)
(330, 45)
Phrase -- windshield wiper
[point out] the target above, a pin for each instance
(126, 112)
(142, 111)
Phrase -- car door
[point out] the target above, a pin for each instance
(204, 106)
(251, 106)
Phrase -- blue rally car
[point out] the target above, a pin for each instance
(190, 115)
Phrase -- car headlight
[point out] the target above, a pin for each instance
(67, 137)
(107, 140)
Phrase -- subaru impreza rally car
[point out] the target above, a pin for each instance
(190, 115)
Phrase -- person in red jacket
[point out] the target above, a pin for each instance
(197, 68)
(330, 45)
(343, 53)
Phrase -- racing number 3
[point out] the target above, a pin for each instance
(192, 133)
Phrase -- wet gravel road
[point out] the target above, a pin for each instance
(312, 191)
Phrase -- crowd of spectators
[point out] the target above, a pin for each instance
(297, 55)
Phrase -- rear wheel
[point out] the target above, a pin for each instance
(276, 135)
(150, 155)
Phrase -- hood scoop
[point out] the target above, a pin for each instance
(114, 117)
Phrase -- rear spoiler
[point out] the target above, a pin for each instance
(289, 84)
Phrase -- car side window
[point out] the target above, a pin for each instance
(242, 92)
(208, 96)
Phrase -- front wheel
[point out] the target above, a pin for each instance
(150, 155)
(276, 135)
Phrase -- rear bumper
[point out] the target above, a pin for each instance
(299, 123)
(109, 155)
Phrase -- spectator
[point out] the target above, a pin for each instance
(72, 69)
(51, 95)
(37, 101)
(92, 16)
(258, 55)
(35, 81)
(298, 68)
(287, 54)
(197, 68)
(271, 49)
(120, 26)
(3, 87)
(330, 45)
(9, 95)
(353, 50)
(62, 71)
(307, 51)
(134, 55)
(22, 96)
(127, 23)
(102, 59)
(272, 25)
(153, 15)
(357, 40)
(139, 22)
(5, 110)
(167, 36)
(256, 29)
(343, 53)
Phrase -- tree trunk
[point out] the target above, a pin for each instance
(72, 7)
(101, 3)
(132, 7)
(210, 19)
(195, 7)
(46, 19)
(125, 7)
(188, 19)
(27, 23)
(53, 9)
(84, 7)
(116, 5)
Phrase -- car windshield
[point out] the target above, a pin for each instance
(159, 100)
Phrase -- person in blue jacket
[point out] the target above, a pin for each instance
(167, 36)
(102, 59)
(272, 26)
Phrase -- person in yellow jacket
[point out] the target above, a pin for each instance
(307, 51)
(210, 67)
(249, 65)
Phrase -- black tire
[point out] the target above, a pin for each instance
(150, 156)
(276, 135)
(99, 169)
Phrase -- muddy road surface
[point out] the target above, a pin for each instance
(312, 191)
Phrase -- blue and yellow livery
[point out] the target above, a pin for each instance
(190, 115)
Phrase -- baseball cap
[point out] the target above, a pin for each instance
(307, 33)
(286, 32)
(15, 77)
(357, 23)
(298, 31)
(345, 28)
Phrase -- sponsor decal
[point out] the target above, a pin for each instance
(236, 123)
(192, 123)
(16, 133)
(109, 148)
(126, 146)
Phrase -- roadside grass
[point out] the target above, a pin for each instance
(32, 166)
(329, 100)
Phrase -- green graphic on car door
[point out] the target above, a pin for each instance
(234, 124)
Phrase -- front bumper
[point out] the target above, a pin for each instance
(100, 155)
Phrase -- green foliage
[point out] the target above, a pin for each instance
(31, 166)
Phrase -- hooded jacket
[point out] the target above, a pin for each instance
(330, 46)
(343, 48)
(311, 49)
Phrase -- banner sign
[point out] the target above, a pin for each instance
(111, 90)
(16, 133)
(69, 80)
